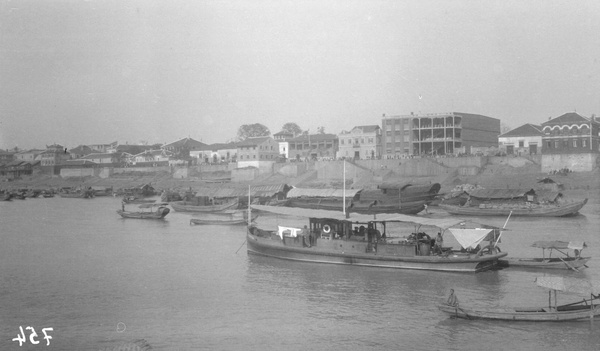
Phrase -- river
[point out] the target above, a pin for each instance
(99, 281)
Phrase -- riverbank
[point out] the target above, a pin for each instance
(584, 182)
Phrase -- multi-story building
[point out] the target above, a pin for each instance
(362, 142)
(52, 158)
(571, 133)
(259, 152)
(437, 133)
(284, 145)
(571, 141)
(313, 146)
(526, 139)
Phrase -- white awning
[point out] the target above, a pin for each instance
(288, 231)
(470, 238)
(569, 285)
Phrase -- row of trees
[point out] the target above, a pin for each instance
(259, 130)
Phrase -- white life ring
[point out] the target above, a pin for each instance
(326, 229)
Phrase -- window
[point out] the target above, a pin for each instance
(574, 143)
(342, 141)
(521, 143)
(583, 143)
(370, 140)
(556, 144)
(565, 144)
(549, 144)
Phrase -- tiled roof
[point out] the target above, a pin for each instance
(524, 131)
(567, 118)
(186, 142)
(368, 129)
(253, 141)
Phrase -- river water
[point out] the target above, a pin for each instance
(99, 281)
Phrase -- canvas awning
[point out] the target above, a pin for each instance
(569, 285)
(573, 245)
(471, 238)
(443, 223)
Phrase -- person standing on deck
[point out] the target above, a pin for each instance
(452, 299)
(439, 243)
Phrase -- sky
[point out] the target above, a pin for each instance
(95, 72)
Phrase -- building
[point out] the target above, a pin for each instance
(106, 158)
(7, 156)
(571, 133)
(217, 153)
(260, 152)
(52, 158)
(150, 158)
(284, 146)
(183, 148)
(362, 142)
(571, 142)
(437, 133)
(313, 146)
(102, 148)
(29, 155)
(80, 151)
(526, 139)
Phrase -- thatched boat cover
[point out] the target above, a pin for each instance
(219, 191)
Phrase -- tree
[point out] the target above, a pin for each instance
(292, 128)
(252, 130)
(321, 130)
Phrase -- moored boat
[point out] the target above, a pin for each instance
(363, 240)
(586, 308)
(227, 217)
(501, 202)
(563, 260)
(159, 213)
(204, 206)
(388, 198)
(136, 200)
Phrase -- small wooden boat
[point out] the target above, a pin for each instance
(232, 217)
(562, 261)
(362, 240)
(587, 308)
(195, 206)
(160, 212)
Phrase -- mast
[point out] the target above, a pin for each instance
(344, 189)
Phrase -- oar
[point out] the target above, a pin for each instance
(568, 265)
(241, 246)
(463, 311)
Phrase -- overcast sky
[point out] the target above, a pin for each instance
(93, 72)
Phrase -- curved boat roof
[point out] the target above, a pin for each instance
(326, 192)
